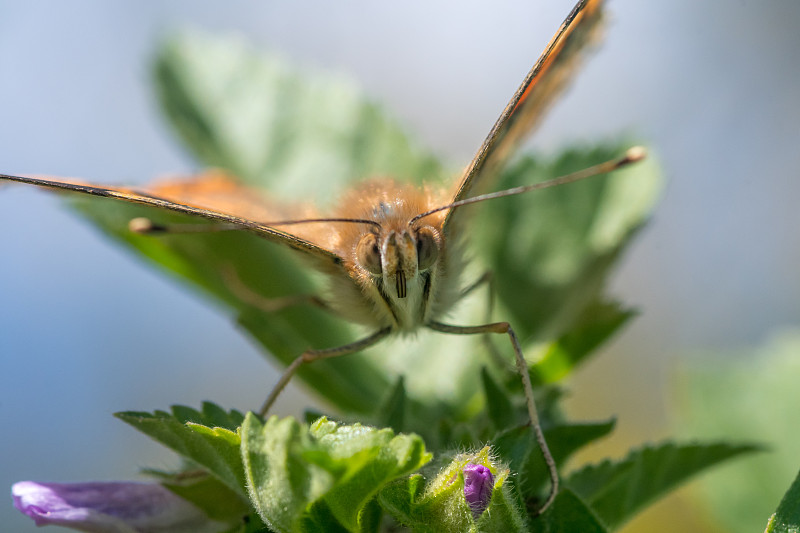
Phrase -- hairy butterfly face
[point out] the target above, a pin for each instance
(397, 263)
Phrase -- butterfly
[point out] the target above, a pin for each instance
(391, 252)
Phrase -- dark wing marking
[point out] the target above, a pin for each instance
(146, 198)
(545, 81)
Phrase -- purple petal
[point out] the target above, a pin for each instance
(112, 507)
(478, 485)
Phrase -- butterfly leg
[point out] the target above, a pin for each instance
(313, 355)
(270, 305)
(487, 278)
(522, 367)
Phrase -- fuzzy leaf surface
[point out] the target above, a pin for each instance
(204, 437)
(617, 490)
(322, 478)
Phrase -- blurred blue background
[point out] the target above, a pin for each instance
(86, 331)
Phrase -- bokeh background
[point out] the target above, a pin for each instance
(87, 330)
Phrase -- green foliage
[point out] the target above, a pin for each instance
(499, 407)
(787, 518)
(208, 493)
(742, 395)
(322, 478)
(616, 490)
(392, 411)
(598, 322)
(260, 118)
(569, 515)
(550, 253)
(518, 447)
(209, 438)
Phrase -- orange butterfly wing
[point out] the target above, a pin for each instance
(213, 196)
(549, 76)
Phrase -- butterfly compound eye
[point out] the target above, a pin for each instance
(368, 254)
(427, 248)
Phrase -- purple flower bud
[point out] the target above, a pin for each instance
(118, 507)
(478, 484)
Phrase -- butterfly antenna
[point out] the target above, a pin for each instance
(146, 226)
(632, 155)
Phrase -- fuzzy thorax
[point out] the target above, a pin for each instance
(396, 270)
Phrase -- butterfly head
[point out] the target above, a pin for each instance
(394, 262)
(399, 256)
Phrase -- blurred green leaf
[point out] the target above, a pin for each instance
(617, 490)
(787, 518)
(322, 478)
(371, 517)
(197, 436)
(272, 126)
(519, 449)
(392, 411)
(208, 493)
(750, 393)
(569, 514)
(598, 322)
(551, 250)
(499, 407)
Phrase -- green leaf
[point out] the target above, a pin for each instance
(518, 448)
(211, 415)
(440, 504)
(215, 498)
(598, 322)
(196, 436)
(392, 412)
(255, 115)
(499, 407)
(370, 517)
(322, 478)
(787, 518)
(550, 250)
(617, 490)
(280, 481)
(569, 514)
(740, 394)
